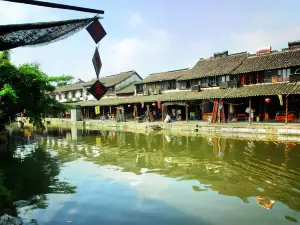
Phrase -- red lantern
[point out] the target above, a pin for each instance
(267, 100)
(153, 104)
(129, 106)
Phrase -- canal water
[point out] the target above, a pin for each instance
(110, 177)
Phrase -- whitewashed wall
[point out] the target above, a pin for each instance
(69, 96)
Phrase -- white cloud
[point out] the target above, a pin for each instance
(155, 50)
(135, 20)
(278, 39)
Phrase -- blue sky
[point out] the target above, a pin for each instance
(157, 35)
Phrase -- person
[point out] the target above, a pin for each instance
(154, 114)
(167, 119)
(174, 113)
(179, 114)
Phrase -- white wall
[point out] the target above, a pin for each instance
(69, 96)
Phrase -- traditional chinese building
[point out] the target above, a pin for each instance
(224, 87)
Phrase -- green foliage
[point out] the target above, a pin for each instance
(61, 80)
(25, 89)
(8, 91)
(5, 55)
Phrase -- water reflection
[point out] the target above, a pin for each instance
(27, 174)
(268, 171)
(264, 174)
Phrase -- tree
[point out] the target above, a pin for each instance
(61, 80)
(26, 89)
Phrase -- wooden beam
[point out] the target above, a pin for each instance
(186, 111)
(57, 6)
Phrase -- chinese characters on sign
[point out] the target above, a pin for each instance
(97, 62)
(98, 90)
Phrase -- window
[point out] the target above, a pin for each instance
(66, 95)
(173, 84)
(204, 82)
(139, 88)
(228, 78)
(60, 96)
(74, 94)
(182, 84)
(223, 79)
(188, 84)
(283, 74)
(194, 82)
(212, 81)
(219, 79)
(81, 93)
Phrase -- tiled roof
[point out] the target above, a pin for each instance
(169, 75)
(271, 61)
(112, 80)
(246, 91)
(215, 66)
(71, 87)
(127, 90)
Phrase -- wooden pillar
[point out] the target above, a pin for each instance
(250, 110)
(103, 111)
(123, 114)
(219, 112)
(186, 111)
(162, 113)
(286, 110)
(148, 112)
(110, 110)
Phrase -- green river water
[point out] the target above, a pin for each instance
(111, 177)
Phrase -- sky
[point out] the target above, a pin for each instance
(156, 36)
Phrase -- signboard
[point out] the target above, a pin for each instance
(96, 30)
(97, 110)
(97, 62)
(98, 90)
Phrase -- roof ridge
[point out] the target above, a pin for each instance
(168, 71)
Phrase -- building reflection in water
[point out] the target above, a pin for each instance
(266, 171)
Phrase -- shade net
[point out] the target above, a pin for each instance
(35, 34)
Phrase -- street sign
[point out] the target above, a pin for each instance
(96, 30)
(98, 90)
(97, 62)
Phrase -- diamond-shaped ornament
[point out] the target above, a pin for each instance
(97, 62)
(96, 30)
(98, 90)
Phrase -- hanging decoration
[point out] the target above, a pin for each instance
(97, 32)
(267, 100)
(280, 100)
(97, 110)
(97, 62)
(153, 104)
(142, 103)
(129, 106)
(98, 90)
(158, 105)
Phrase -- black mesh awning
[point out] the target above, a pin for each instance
(32, 34)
